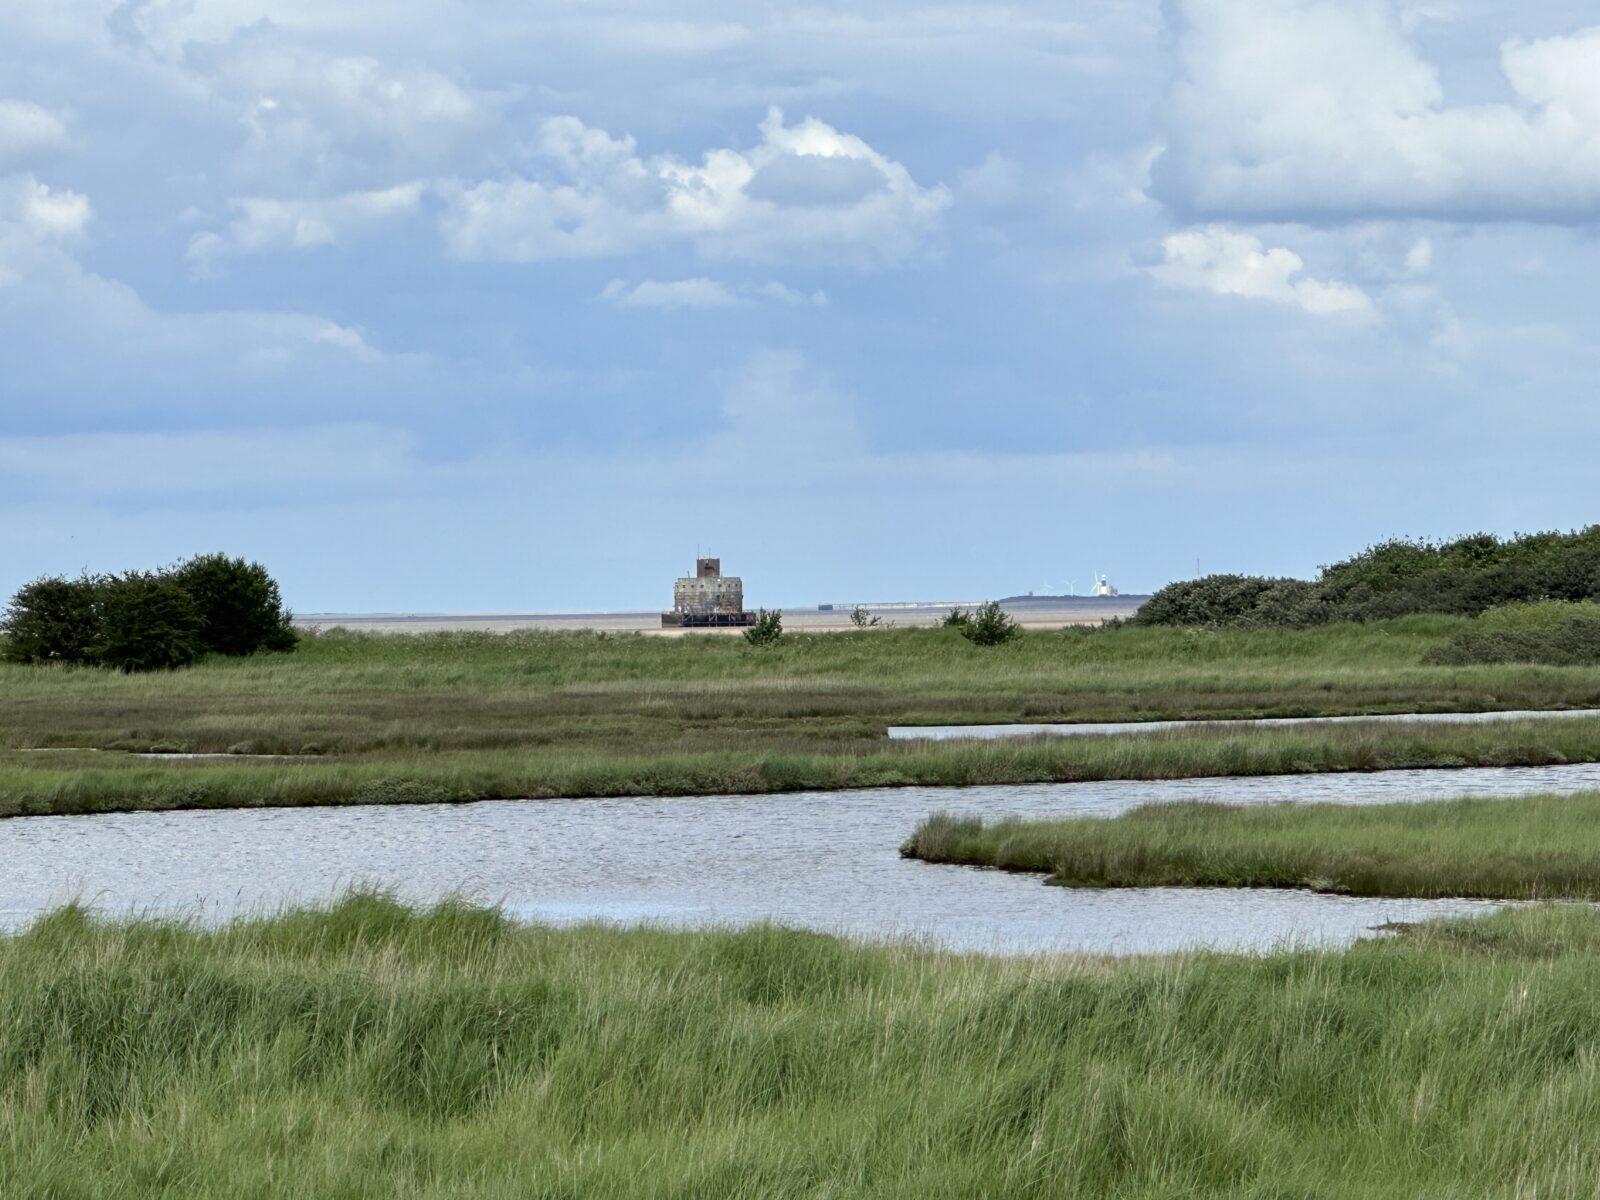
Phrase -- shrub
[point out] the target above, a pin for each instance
(241, 610)
(53, 620)
(990, 625)
(956, 618)
(148, 622)
(862, 619)
(1576, 643)
(768, 628)
(1395, 578)
(1233, 601)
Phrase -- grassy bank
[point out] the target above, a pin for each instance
(462, 716)
(38, 783)
(1538, 847)
(374, 1052)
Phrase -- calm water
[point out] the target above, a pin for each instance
(825, 861)
(943, 733)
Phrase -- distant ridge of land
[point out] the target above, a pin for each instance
(1034, 612)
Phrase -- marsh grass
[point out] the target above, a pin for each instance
(1530, 848)
(378, 1051)
(467, 716)
(711, 763)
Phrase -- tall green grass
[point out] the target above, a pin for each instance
(373, 1051)
(1528, 848)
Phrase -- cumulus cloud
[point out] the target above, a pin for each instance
(1228, 263)
(264, 224)
(1322, 110)
(25, 129)
(805, 192)
(321, 118)
(35, 221)
(705, 293)
(40, 211)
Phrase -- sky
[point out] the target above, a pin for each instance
(481, 306)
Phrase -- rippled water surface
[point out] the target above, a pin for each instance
(825, 861)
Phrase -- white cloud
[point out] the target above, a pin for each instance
(1228, 263)
(704, 293)
(264, 224)
(35, 221)
(806, 192)
(681, 293)
(26, 129)
(309, 114)
(1321, 109)
(40, 211)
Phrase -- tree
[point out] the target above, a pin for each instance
(862, 619)
(768, 628)
(239, 605)
(53, 620)
(990, 625)
(148, 622)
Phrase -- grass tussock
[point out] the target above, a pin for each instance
(1532, 848)
(374, 1050)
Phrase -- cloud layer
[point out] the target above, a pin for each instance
(1322, 110)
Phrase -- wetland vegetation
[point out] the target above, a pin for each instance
(1528, 848)
(371, 718)
(376, 1050)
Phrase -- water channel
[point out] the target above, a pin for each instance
(825, 861)
(945, 733)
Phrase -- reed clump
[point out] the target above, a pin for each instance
(376, 1050)
(1528, 848)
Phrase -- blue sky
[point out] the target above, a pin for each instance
(472, 306)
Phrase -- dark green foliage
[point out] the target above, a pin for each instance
(768, 628)
(956, 618)
(148, 622)
(241, 609)
(1236, 602)
(1577, 643)
(52, 620)
(1396, 578)
(990, 625)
